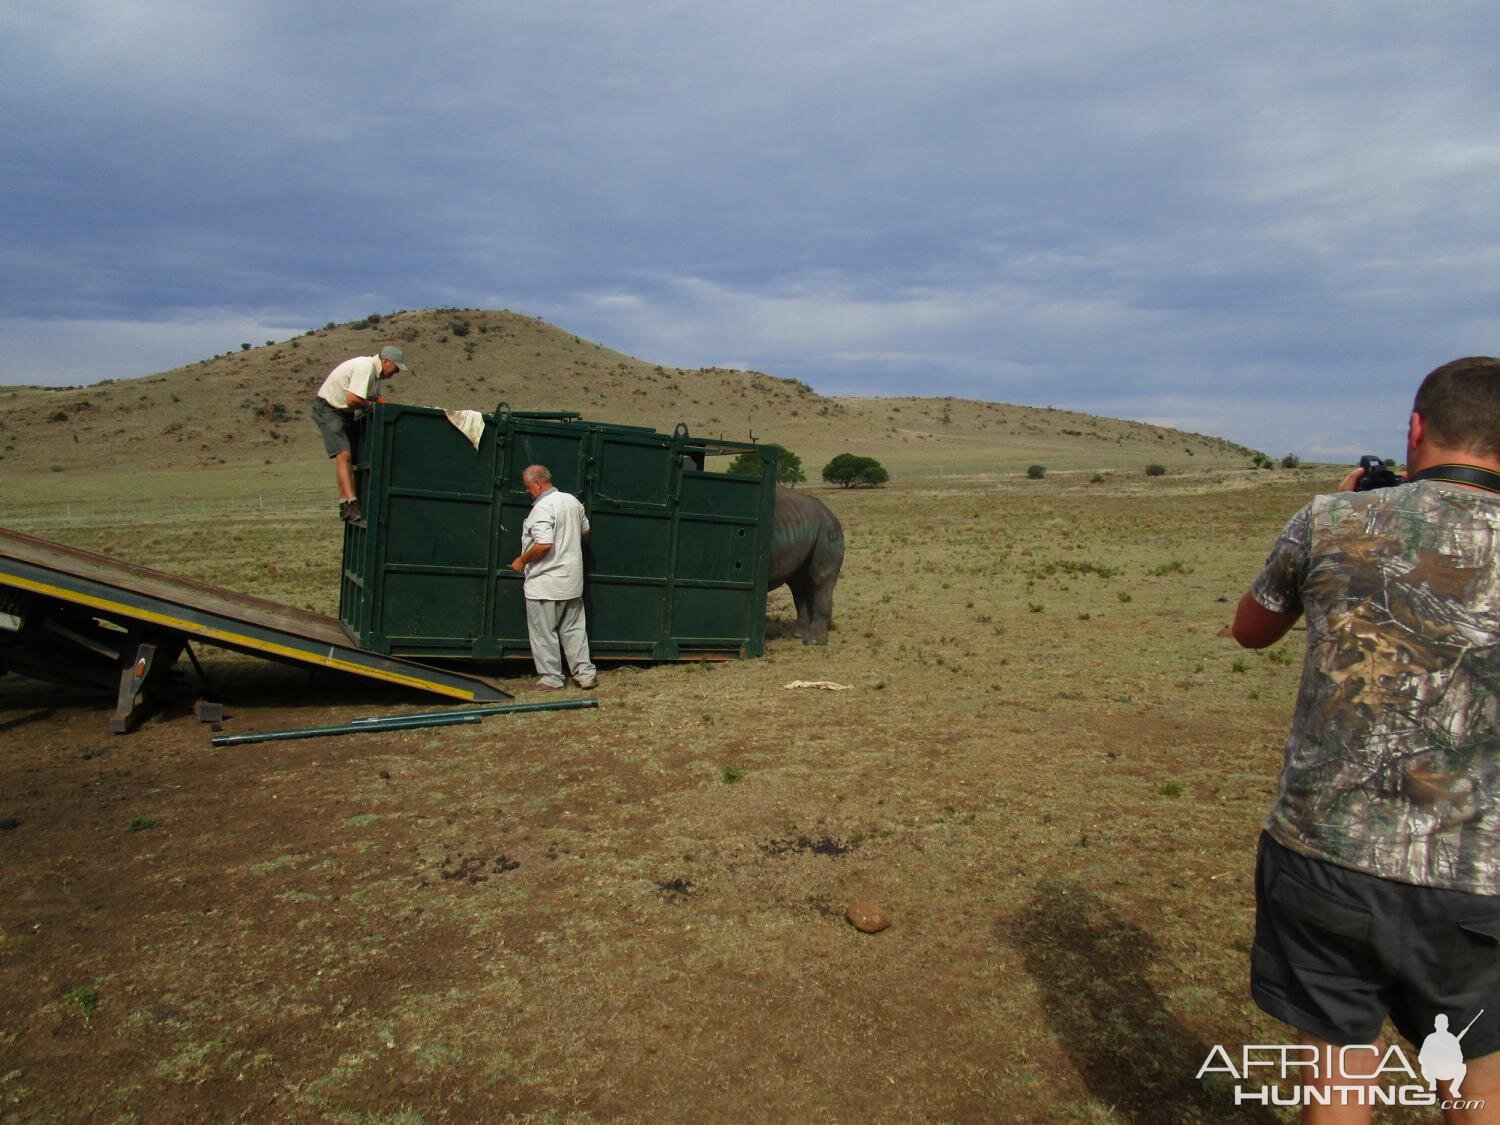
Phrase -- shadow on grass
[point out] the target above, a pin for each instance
(778, 628)
(1131, 1051)
(26, 720)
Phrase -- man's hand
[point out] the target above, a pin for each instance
(1350, 483)
(530, 555)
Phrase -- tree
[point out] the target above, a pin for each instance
(788, 465)
(849, 470)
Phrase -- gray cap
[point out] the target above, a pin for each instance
(395, 355)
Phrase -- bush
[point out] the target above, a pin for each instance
(849, 470)
(1290, 461)
(788, 465)
(1156, 470)
(1036, 472)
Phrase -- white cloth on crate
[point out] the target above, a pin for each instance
(470, 423)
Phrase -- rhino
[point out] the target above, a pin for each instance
(807, 550)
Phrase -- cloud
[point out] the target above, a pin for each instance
(69, 352)
(1277, 216)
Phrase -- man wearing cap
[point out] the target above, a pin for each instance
(351, 388)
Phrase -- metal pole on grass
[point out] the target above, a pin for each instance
(498, 709)
(402, 723)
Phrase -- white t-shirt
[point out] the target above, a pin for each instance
(360, 375)
(559, 519)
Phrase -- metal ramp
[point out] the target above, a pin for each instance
(74, 616)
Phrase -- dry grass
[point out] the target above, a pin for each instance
(1049, 769)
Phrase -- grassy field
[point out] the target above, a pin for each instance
(1049, 769)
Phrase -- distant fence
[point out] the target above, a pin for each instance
(296, 505)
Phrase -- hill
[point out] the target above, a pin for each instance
(245, 411)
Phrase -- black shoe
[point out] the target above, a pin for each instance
(349, 511)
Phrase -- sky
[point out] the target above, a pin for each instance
(1260, 221)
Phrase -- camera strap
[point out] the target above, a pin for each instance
(1460, 474)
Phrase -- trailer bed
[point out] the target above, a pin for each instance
(72, 614)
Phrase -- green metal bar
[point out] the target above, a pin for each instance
(407, 722)
(502, 709)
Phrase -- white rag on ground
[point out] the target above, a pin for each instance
(470, 423)
(826, 685)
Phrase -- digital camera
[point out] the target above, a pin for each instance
(1378, 474)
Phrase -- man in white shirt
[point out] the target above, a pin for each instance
(551, 558)
(352, 386)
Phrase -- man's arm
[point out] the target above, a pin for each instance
(1255, 626)
(370, 385)
(532, 554)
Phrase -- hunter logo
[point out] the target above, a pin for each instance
(1360, 1074)
(1441, 1056)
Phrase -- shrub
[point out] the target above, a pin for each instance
(788, 465)
(1156, 470)
(1036, 472)
(849, 470)
(84, 999)
(244, 347)
(1290, 461)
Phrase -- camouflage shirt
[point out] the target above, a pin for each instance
(1393, 761)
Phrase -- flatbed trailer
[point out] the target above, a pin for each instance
(75, 616)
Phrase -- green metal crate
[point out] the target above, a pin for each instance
(675, 566)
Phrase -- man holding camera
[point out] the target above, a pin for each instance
(1378, 880)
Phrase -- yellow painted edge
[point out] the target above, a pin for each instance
(236, 638)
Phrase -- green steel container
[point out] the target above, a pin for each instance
(675, 566)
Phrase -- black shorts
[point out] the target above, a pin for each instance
(333, 424)
(1337, 950)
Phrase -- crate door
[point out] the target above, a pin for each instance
(632, 501)
(563, 448)
(434, 534)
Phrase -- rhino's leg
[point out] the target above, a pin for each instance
(822, 616)
(802, 597)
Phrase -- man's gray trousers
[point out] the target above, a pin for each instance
(556, 629)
